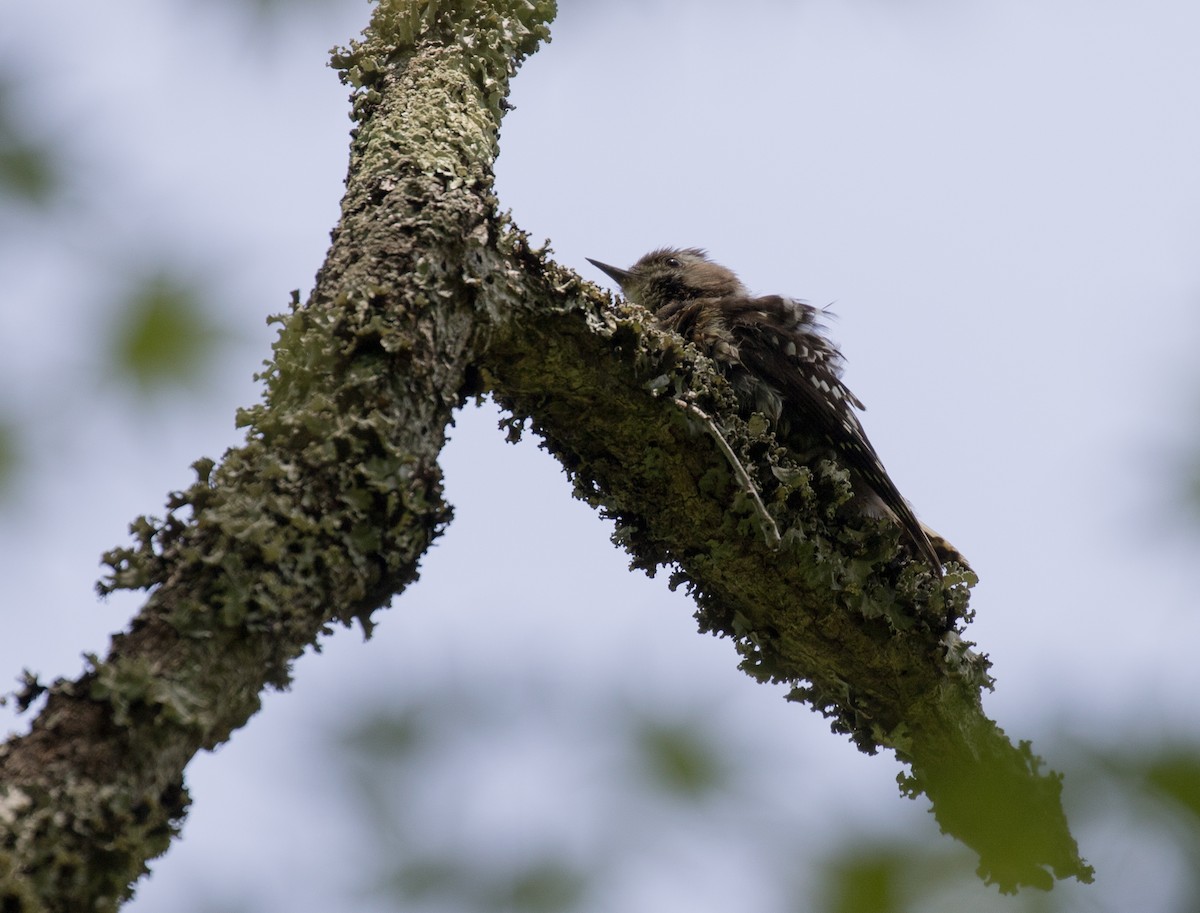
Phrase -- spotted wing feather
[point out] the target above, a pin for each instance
(793, 374)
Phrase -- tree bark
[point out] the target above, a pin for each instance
(428, 296)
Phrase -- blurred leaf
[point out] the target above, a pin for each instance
(681, 759)
(9, 455)
(540, 886)
(548, 886)
(1175, 775)
(868, 882)
(163, 336)
(1192, 486)
(282, 7)
(428, 878)
(26, 172)
(388, 737)
(28, 168)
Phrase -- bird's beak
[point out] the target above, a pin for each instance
(620, 276)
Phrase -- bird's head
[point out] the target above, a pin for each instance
(673, 274)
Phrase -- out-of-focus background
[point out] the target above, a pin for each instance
(1002, 205)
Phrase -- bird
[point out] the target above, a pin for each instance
(779, 363)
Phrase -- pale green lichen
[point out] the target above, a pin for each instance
(491, 38)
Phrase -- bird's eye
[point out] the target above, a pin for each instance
(673, 262)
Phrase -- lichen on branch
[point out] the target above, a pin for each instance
(427, 297)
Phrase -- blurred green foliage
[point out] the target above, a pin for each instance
(541, 885)
(29, 170)
(8, 456)
(631, 784)
(1174, 775)
(162, 334)
(867, 882)
(680, 758)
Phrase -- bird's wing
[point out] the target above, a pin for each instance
(778, 340)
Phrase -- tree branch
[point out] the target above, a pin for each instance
(325, 511)
(840, 612)
(428, 296)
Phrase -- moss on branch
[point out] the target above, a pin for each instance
(323, 514)
(839, 612)
(427, 296)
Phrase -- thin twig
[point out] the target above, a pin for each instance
(770, 530)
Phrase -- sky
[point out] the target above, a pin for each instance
(999, 202)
